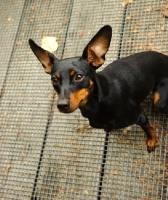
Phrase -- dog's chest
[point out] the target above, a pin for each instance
(100, 116)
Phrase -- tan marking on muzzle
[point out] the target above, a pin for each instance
(80, 97)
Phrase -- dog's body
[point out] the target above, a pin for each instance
(111, 98)
(122, 86)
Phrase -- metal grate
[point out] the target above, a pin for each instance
(48, 155)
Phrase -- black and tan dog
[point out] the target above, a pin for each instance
(112, 98)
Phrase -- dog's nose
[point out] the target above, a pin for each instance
(63, 105)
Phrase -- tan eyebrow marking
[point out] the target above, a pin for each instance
(58, 76)
(72, 72)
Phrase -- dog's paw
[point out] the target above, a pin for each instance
(152, 143)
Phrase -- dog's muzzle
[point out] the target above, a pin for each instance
(63, 105)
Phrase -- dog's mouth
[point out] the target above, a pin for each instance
(69, 110)
(71, 106)
(76, 99)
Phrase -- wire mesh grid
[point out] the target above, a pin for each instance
(48, 155)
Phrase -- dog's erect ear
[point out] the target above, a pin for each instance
(94, 52)
(45, 57)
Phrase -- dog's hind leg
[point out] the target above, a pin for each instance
(152, 140)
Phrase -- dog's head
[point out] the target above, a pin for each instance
(72, 77)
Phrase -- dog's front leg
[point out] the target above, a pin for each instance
(152, 140)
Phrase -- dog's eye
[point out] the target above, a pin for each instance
(78, 77)
(54, 80)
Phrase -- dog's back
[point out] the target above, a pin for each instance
(138, 74)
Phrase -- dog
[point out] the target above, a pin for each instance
(110, 99)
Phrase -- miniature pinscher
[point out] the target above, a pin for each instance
(110, 99)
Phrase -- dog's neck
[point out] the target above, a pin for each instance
(97, 94)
